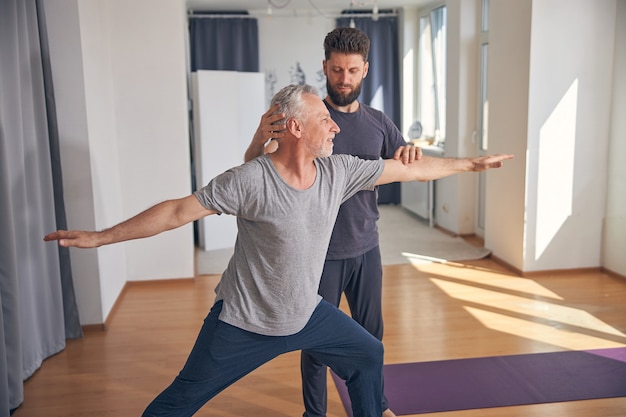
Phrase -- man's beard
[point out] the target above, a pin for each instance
(343, 100)
(320, 151)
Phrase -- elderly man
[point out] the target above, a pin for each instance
(267, 302)
(353, 266)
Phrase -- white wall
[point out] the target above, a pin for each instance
(101, 133)
(614, 238)
(285, 42)
(120, 79)
(568, 132)
(64, 36)
(538, 54)
(149, 56)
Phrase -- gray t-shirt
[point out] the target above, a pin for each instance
(270, 284)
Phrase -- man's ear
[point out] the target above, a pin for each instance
(294, 127)
(366, 69)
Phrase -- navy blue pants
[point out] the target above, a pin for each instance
(223, 354)
(360, 279)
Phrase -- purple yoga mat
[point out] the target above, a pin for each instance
(462, 384)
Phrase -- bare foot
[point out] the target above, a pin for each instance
(388, 413)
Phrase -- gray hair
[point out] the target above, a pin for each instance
(290, 100)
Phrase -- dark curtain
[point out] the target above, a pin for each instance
(381, 87)
(37, 303)
(225, 43)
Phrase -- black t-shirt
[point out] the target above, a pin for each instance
(369, 134)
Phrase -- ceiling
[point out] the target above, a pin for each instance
(301, 5)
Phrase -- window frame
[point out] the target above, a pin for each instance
(431, 75)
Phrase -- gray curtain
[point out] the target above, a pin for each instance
(222, 41)
(383, 76)
(36, 298)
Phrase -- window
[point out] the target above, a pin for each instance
(483, 113)
(484, 102)
(432, 74)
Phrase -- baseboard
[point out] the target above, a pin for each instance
(445, 231)
(505, 264)
(93, 327)
(543, 272)
(612, 273)
(103, 326)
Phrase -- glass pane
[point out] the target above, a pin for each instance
(426, 108)
(484, 100)
(432, 75)
(485, 16)
(438, 28)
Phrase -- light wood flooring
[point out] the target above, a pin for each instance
(432, 312)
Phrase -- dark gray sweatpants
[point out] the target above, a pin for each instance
(360, 279)
(223, 354)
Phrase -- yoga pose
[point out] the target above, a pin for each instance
(267, 303)
(353, 263)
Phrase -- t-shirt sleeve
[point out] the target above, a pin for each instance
(222, 193)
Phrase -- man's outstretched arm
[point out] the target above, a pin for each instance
(431, 168)
(164, 216)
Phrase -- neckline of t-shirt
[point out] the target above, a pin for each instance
(342, 113)
(277, 174)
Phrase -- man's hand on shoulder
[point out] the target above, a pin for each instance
(408, 154)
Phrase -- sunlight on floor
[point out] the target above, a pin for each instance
(524, 308)
(547, 333)
(416, 259)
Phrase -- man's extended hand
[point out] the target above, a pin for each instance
(482, 163)
(166, 215)
(432, 168)
(74, 238)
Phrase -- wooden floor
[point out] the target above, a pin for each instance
(432, 312)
